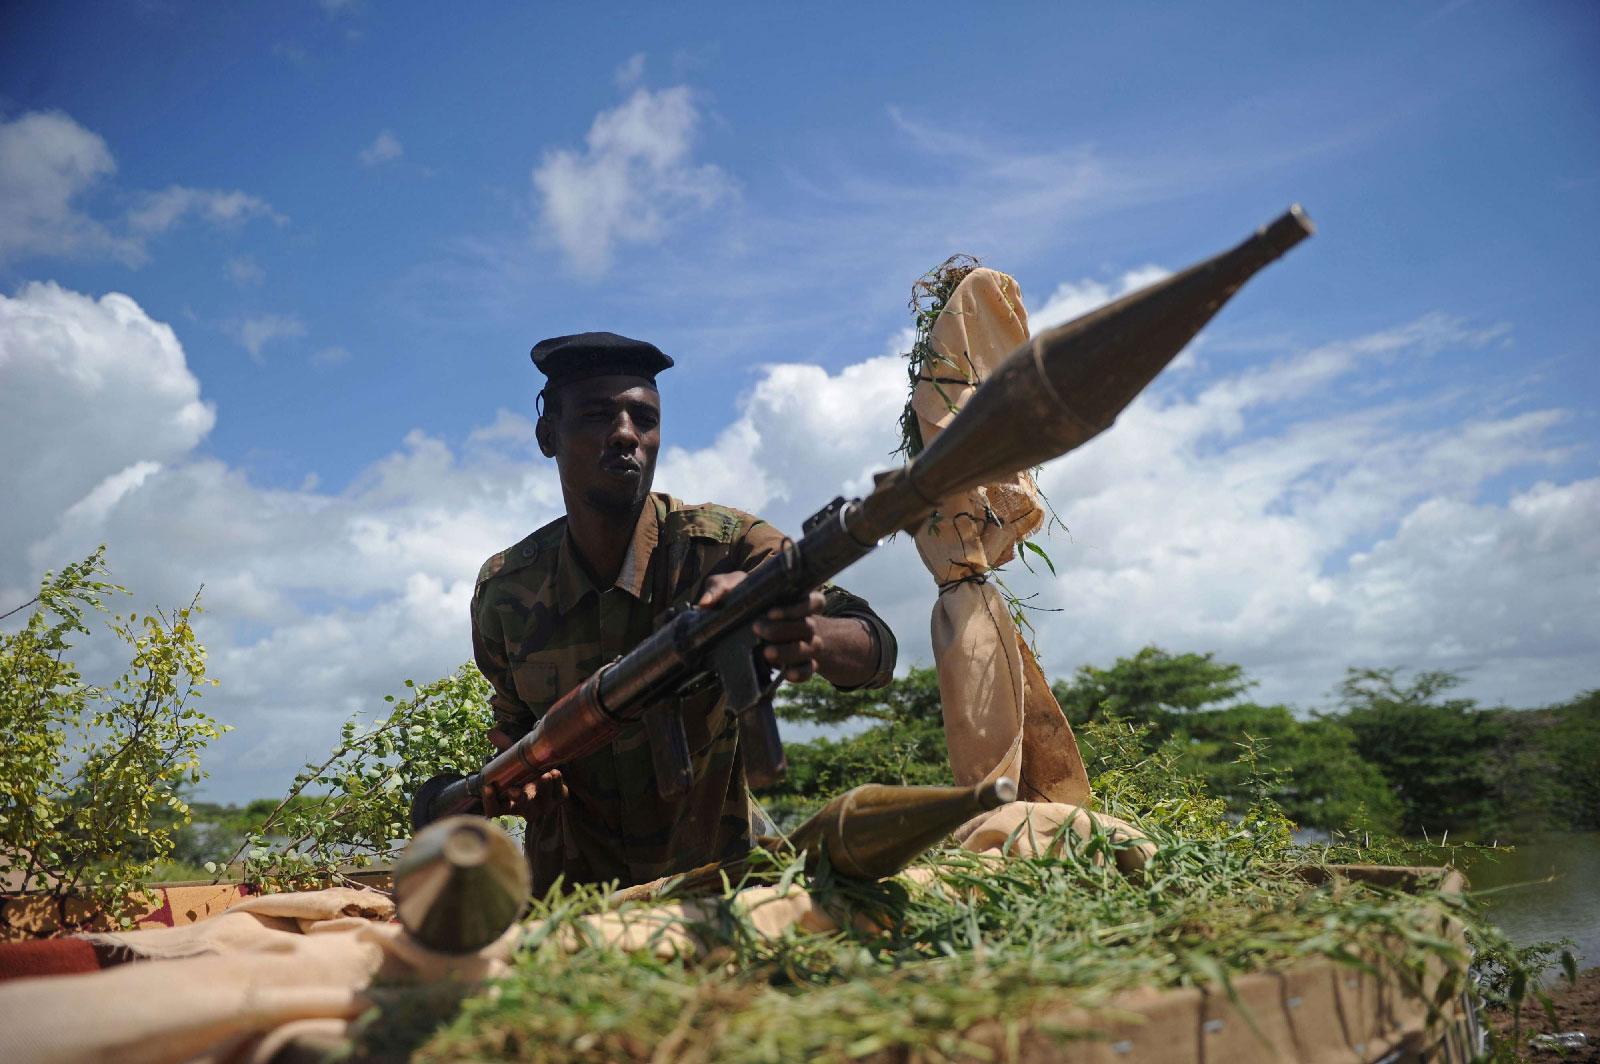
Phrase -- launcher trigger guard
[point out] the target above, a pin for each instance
(745, 678)
(748, 683)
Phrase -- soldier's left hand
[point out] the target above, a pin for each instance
(790, 631)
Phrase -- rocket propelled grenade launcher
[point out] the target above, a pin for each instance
(1053, 394)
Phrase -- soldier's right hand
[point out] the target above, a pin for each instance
(540, 798)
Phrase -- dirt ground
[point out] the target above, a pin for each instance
(1577, 1009)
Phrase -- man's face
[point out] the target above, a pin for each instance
(604, 434)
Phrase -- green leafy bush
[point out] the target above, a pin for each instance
(84, 768)
(1194, 706)
(1572, 735)
(353, 808)
(1154, 687)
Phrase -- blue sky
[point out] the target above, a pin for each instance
(356, 218)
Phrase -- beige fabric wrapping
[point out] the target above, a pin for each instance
(999, 715)
(1028, 829)
(234, 987)
(315, 911)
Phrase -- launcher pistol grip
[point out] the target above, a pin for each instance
(669, 748)
(748, 683)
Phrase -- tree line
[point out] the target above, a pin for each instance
(1399, 754)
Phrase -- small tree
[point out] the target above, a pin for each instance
(82, 767)
(1433, 750)
(1323, 781)
(353, 808)
(1154, 686)
(1575, 739)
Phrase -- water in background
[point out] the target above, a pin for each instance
(1529, 910)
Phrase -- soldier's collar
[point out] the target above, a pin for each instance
(646, 534)
(573, 581)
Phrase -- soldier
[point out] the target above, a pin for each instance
(589, 586)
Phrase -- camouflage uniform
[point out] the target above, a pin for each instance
(540, 628)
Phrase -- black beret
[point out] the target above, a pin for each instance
(597, 354)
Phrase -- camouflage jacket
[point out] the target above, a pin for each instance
(540, 628)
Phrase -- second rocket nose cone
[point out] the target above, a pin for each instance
(1001, 792)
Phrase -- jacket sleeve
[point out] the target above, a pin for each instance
(841, 603)
(511, 715)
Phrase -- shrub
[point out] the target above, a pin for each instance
(83, 768)
(353, 808)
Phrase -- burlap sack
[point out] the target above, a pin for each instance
(999, 715)
(252, 924)
(1028, 829)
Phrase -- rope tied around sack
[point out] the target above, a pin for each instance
(970, 578)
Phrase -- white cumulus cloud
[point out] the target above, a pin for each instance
(49, 164)
(1193, 527)
(632, 178)
(94, 397)
(158, 212)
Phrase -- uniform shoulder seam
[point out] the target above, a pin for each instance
(708, 520)
(524, 552)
